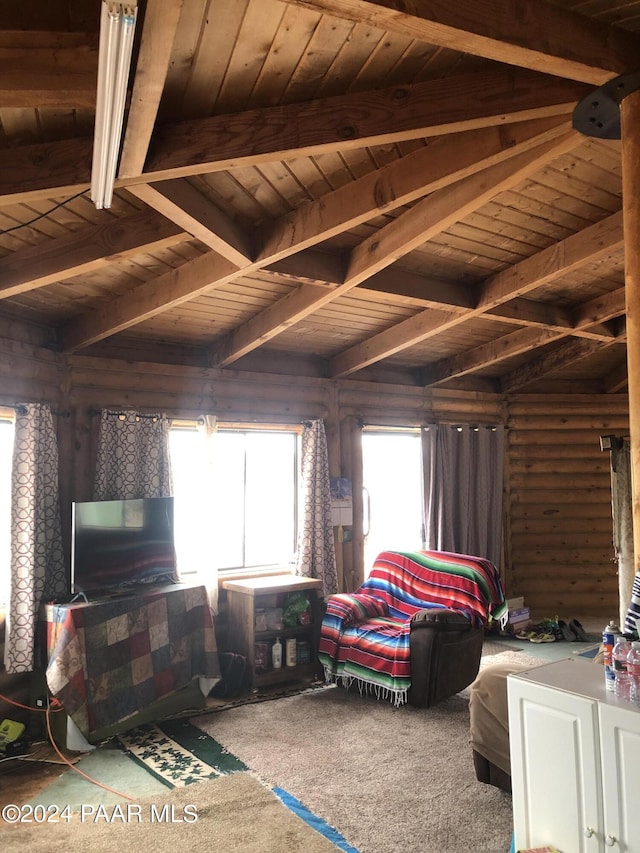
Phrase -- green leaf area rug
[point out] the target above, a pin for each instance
(178, 754)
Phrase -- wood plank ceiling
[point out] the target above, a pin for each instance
(344, 188)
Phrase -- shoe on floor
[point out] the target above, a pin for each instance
(566, 632)
(578, 630)
(543, 637)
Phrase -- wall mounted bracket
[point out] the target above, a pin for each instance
(598, 114)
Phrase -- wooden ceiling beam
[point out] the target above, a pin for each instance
(149, 299)
(423, 221)
(518, 343)
(344, 122)
(85, 251)
(440, 210)
(297, 130)
(161, 19)
(39, 76)
(406, 232)
(568, 353)
(390, 190)
(180, 202)
(591, 244)
(533, 37)
(443, 162)
(485, 355)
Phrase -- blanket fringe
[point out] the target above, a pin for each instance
(397, 697)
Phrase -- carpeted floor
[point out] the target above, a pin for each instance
(389, 779)
(235, 813)
(412, 780)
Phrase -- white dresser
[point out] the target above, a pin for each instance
(575, 760)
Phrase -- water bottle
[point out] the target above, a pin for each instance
(633, 671)
(620, 652)
(608, 640)
(276, 654)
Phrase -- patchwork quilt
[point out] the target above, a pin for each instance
(109, 659)
(365, 635)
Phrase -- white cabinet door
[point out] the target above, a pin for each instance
(620, 745)
(555, 769)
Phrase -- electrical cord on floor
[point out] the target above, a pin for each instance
(55, 707)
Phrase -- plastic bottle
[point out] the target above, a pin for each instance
(633, 670)
(620, 652)
(608, 640)
(290, 652)
(276, 654)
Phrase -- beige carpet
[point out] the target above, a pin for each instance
(388, 779)
(235, 814)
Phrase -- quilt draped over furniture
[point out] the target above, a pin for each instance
(111, 658)
(413, 631)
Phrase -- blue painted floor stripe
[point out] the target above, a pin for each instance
(315, 822)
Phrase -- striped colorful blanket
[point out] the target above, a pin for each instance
(365, 635)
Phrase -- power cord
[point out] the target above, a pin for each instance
(53, 707)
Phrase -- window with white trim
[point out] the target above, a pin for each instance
(249, 505)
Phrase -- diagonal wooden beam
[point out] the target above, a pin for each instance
(521, 342)
(425, 219)
(591, 244)
(404, 234)
(161, 19)
(344, 122)
(85, 251)
(443, 162)
(567, 353)
(180, 202)
(149, 299)
(600, 309)
(157, 298)
(467, 102)
(532, 33)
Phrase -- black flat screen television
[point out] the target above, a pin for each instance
(117, 544)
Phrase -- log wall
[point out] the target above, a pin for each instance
(558, 525)
(558, 549)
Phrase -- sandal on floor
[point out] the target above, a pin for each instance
(543, 638)
(566, 632)
(578, 630)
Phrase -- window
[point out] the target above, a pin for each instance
(393, 500)
(6, 452)
(250, 504)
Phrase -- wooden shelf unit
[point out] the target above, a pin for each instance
(248, 595)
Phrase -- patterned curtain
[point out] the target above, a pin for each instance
(316, 551)
(133, 458)
(37, 557)
(463, 472)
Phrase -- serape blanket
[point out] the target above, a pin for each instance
(365, 636)
(110, 658)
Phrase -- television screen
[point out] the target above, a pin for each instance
(123, 542)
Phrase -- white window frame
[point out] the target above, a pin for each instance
(242, 427)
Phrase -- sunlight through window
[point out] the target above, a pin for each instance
(248, 499)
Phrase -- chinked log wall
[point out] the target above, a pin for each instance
(558, 503)
(558, 549)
